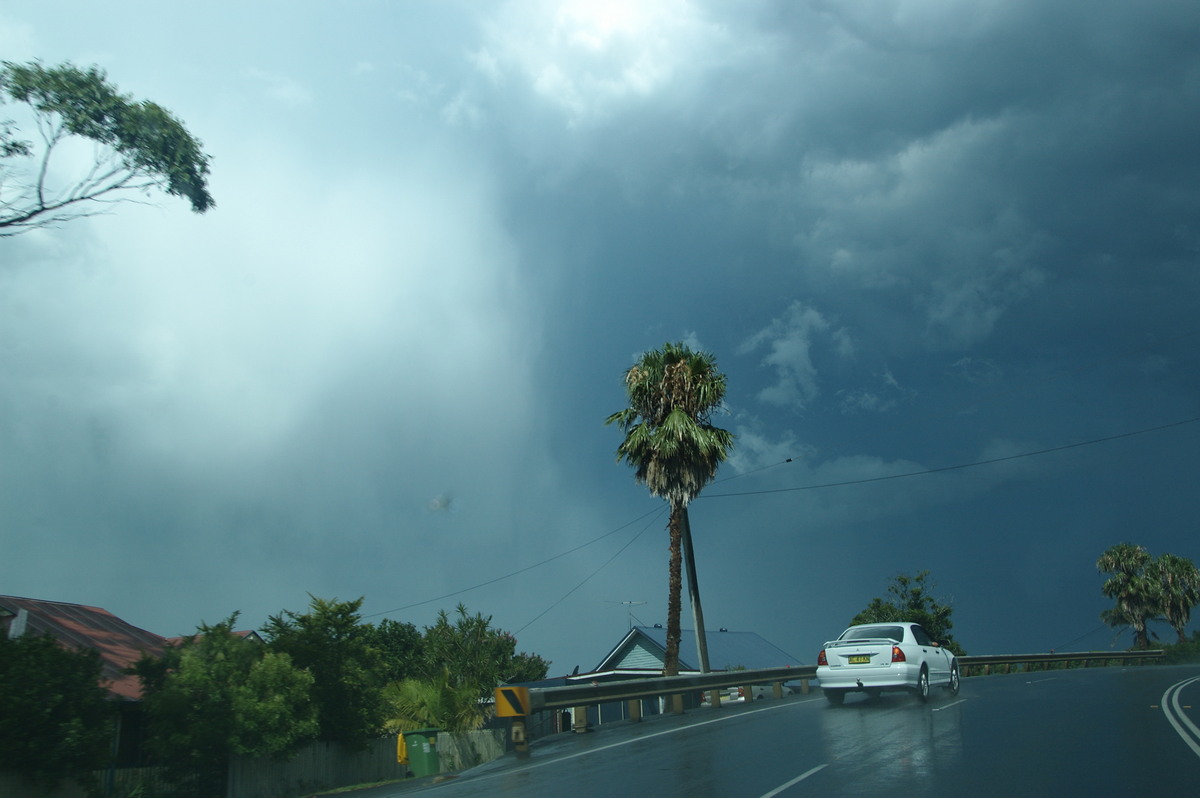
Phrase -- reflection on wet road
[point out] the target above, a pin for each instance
(891, 740)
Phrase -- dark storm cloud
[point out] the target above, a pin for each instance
(915, 235)
(955, 155)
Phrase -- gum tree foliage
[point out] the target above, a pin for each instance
(138, 146)
(673, 447)
(331, 642)
(218, 694)
(911, 599)
(399, 647)
(475, 656)
(54, 716)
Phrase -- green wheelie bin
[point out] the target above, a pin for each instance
(422, 752)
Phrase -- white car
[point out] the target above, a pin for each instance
(762, 691)
(874, 657)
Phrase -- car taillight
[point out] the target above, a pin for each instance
(898, 655)
(822, 659)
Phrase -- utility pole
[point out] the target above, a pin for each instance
(689, 559)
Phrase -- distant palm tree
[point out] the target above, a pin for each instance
(1135, 590)
(414, 704)
(672, 447)
(1179, 588)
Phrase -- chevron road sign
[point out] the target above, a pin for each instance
(512, 702)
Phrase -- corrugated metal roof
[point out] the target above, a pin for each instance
(726, 651)
(78, 626)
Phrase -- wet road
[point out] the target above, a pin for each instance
(1097, 732)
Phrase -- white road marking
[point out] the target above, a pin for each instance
(796, 780)
(557, 760)
(1183, 725)
(956, 703)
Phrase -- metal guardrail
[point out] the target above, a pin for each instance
(628, 689)
(986, 661)
(518, 702)
(545, 698)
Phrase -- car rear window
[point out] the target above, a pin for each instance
(864, 632)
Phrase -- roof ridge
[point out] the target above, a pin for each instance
(60, 603)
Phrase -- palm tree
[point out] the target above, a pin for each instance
(1179, 586)
(1136, 592)
(673, 449)
(414, 704)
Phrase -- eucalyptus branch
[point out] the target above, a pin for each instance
(139, 146)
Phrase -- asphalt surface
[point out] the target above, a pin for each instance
(1088, 732)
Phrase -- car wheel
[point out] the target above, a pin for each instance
(954, 683)
(835, 697)
(922, 689)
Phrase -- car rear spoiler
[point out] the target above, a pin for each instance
(862, 641)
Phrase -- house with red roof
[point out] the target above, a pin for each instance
(118, 643)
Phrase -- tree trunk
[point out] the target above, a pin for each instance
(674, 588)
(689, 560)
(1141, 637)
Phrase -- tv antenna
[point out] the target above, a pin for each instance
(630, 605)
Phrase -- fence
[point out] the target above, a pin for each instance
(316, 767)
(323, 766)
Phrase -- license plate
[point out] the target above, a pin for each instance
(859, 659)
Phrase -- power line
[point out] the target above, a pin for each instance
(1081, 637)
(522, 570)
(1081, 368)
(923, 472)
(957, 467)
(593, 573)
(864, 481)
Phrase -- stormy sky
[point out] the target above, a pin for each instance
(916, 236)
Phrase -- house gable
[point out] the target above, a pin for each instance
(644, 648)
(638, 655)
(77, 626)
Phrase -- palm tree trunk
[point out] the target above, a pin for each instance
(689, 559)
(674, 588)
